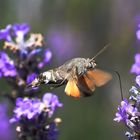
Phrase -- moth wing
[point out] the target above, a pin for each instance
(99, 77)
(88, 82)
(86, 85)
(72, 89)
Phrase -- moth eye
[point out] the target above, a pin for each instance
(91, 64)
(94, 64)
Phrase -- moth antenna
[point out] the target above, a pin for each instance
(101, 51)
(120, 83)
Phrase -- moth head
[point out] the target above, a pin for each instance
(90, 63)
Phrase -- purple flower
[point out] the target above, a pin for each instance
(124, 110)
(21, 29)
(121, 114)
(14, 36)
(138, 32)
(26, 108)
(7, 67)
(31, 77)
(51, 101)
(5, 33)
(47, 57)
(128, 113)
(136, 66)
(31, 108)
(18, 30)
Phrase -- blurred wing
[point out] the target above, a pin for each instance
(72, 89)
(91, 79)
(99, 77)
(86, 85)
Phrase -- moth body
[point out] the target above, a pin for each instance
(73, 68)
(79, 75)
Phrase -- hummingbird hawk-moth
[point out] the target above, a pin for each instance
(79, 74)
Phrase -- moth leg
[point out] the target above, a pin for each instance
(61, 82)
(58, 84)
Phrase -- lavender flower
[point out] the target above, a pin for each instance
(136, 66)
(26, 108)
(5, 33)
(21, 29)
(29, 108)
(7, 67)
(32, 117)
(129, 111)
(46, 58)
(138, 32)
(124, 111)
(129, 114)
(14, 35)
(51, 101)
(28, 55)
(31, 77)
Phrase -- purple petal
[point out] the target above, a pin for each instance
(40, 65)
(7, 67)
(30, 108)
(48, 56)
(11, 73)
(19, 102)
(24, 28)
(51, 101)
(118, 117)
(31, 77)
(13, 120)
(124, 104)
(138, 34)
(5, 33)
(137, 58)
(135, 69)
(136, 66)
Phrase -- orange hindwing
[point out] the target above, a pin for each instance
(72, 89)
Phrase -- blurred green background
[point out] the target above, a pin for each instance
(80, 28)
